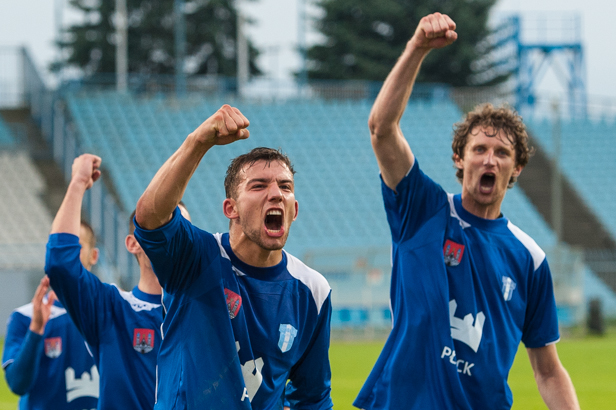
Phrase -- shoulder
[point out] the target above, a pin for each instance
(536, 253)
(313, 280)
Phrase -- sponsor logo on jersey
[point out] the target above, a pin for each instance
(53, 347)
(465, 330)
(85, 386)
(508, 288)
(253, 378)
(143, 340)
(287, 336)
(453, 253)
(234, 303)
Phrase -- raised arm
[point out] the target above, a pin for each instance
(164, 193)
(22, 371)
(393, 152)
(553, 381)
(84, 173)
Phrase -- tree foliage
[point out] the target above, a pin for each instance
(210, 37)
(364, 39)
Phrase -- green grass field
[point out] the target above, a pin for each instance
(591, 362)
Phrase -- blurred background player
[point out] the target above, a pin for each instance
(467, 284)
(45, 357)
(122, 328)
(243, 315)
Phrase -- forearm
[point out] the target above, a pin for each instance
(557, 390)
(167, 188)
(68, 218)
(21, 373)
(395, 93)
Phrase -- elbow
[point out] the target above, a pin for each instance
(15, 387)
(379, 129)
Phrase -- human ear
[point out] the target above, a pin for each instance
(229, 208)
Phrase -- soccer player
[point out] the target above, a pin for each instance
(467, 285)
(122, 328)
(242, 315)
(45, 359)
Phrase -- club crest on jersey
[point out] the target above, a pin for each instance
(287, 336)
(452, 253)
(234, 303)
(143, 340)
(53, 347)
(508, 288)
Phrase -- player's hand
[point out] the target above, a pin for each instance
(86, 170)
(41, 307)
(227, 125)
(434, 31)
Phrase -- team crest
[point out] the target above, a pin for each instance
(143, 340)
(234, 303)
(53, 347)
(508, 288)
(453, 253)
(287, 336)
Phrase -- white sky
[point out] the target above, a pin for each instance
(32, 23)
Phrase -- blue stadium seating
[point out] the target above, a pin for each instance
(337, 180)
(7, 139)
(327, 141)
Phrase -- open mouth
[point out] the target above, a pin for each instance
(273, 221)
(486, 184)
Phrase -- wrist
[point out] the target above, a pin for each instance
(415, 49)
(77, 186)
(36, 328)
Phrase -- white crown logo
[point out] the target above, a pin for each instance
(463, 329)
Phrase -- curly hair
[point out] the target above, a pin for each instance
(503, 118)
(233, 178)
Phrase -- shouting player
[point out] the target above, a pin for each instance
(45, 357)
(467, 284)
(122, 328)
(243, 316)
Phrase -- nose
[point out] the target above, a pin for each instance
(489, 158)
(274, 193)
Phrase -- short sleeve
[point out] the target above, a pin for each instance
(415, 199)
(541, 321)
(179, 252)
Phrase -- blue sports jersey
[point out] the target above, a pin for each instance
(234, 333)
(464, 292)
(122, 328)
(52, 371)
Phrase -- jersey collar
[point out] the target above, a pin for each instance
(272, 273)
(498, 224)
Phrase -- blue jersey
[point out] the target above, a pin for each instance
(464, 292)
(122, 329)
(234, 333)
(52, 371)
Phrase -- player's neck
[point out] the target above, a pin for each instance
(253, 254)
(148, 282)
(485, 211)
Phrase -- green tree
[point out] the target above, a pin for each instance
(210, 38)
(364, 39)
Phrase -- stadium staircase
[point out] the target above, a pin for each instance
(588, 175)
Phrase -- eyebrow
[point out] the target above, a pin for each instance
(265, 180)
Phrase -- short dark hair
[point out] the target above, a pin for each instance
(503, 118)
(91, 239)
(233, 179)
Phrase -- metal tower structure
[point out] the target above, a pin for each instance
(543, 44)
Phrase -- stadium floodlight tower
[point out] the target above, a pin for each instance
(542, 44)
